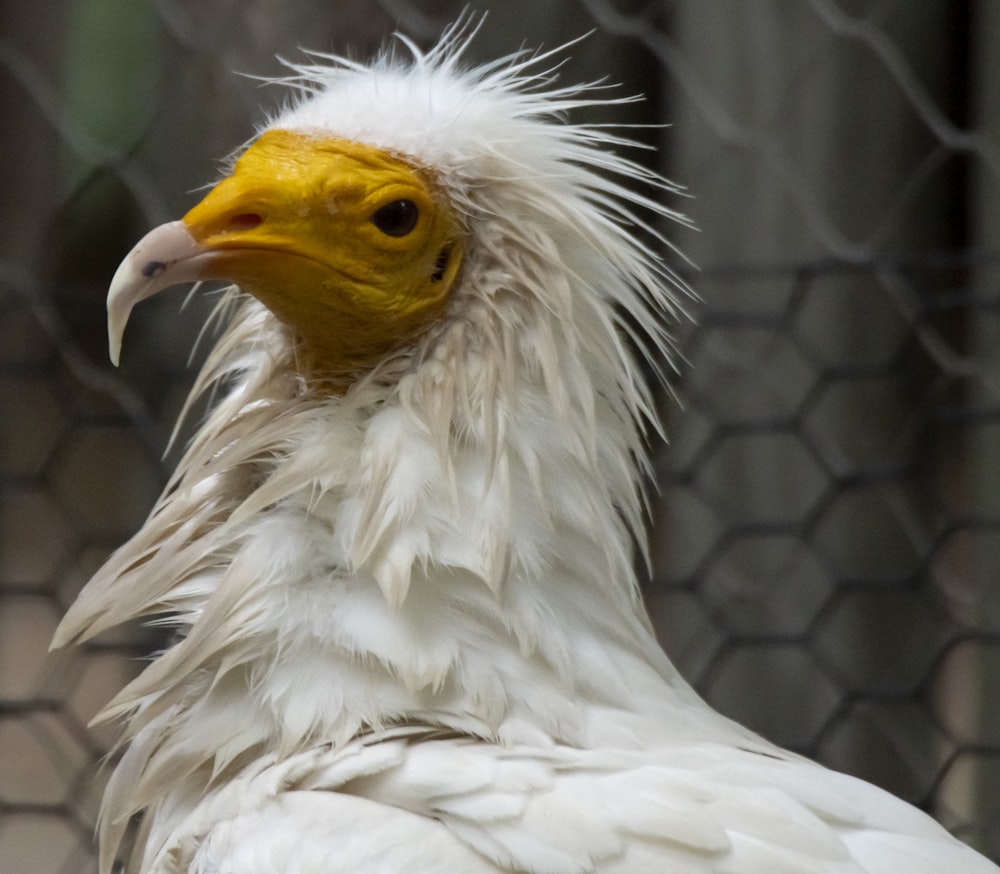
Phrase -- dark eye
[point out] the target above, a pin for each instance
(396, 219)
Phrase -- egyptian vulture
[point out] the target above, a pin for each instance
(398, 553)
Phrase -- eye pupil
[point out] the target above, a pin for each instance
(396, 219)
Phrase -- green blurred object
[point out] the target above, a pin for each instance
(112, 72)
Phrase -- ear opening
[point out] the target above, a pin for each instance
(441, 265)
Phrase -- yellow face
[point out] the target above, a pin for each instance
(352, 248)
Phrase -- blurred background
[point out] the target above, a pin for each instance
(826, 525)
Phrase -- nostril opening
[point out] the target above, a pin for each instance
(244, 221)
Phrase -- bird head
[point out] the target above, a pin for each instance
(394, 198)
(354, 249)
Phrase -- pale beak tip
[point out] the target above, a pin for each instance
(166, 256)
(127, 287)
(114, 348)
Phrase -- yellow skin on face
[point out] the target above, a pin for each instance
(349, 246)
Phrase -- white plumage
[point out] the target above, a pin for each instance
(411, 635)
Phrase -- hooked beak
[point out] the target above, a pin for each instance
(167, 255)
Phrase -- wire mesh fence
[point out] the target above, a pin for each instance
(826, 527)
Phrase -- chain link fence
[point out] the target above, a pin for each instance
(826, 527)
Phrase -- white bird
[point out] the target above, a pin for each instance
(399, 552)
